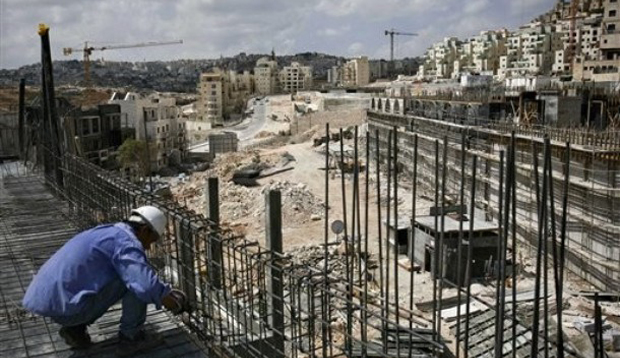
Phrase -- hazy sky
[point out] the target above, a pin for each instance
(210, 28)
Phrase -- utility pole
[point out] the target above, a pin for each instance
(393, 32)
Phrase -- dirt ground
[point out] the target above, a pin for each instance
(304, 195)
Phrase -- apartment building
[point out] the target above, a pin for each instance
(238, 87)
(211, 98)
(531, 50)
(295, 78)
(97, 133)
(480, 54)
(222, 95)
(610, 40)
(157, 120)
(604, 64)
(334, 75)
(165, 132)
(356, 72)
(266, 76)
(440, 58)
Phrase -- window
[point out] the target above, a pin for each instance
(85, 126)
(167, 127)
(213, 93)
(214, 86)
(95, 124)
(611, 28)
(612, 13)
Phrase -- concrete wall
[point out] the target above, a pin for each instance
(593, 221)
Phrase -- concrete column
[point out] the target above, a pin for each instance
(187, 270)
(215, 244)
(273, 231)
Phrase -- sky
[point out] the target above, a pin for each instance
(214, 28)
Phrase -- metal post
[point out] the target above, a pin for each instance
(50, 103)
(215, 244)
(273, 232)
(188, 258)
(22, 104)
(148, 153)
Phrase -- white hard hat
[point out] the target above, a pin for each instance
(151, 216)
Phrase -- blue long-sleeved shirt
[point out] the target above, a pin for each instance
(88, 262)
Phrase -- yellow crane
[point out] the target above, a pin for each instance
(88, 50)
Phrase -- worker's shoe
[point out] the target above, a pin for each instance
(76, 336)
(142, 342)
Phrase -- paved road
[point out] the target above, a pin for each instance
(250, 127)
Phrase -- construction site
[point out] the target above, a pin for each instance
(478, 224)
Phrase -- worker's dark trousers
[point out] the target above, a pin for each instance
(134, 310)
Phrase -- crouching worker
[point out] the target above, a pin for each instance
(97, 268)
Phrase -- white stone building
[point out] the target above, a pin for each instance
(295, 78)
(440, 59)
(165, 127)
(266, 76)
(531, 50)
(356, 72)
(210, 98)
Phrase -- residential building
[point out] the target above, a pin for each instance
(378, 69)
(222, 95)
(211, 98)
(266, 76)
(165, 132)
(440, 59)
(603, 65)
(610, 40)
(295, 78)
(96, 131)
(531, 50)
(334, 75)
(480, 54)
(238, 87)
(356, 72)
(157, 120)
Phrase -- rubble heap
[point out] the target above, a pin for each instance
(298, 202)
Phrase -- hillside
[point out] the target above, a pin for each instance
(165, 76)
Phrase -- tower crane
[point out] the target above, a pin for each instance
(88, 50)
(393, 32)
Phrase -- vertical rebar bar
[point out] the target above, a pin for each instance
(325, 320)
(468, 270)
(548, 177)
(380, 244)
(444, 170)
(346, 240)
(541, 199)
(435, 240)
(560, 293)
(388, 228)
(396, 243)
(498, 259)
(366, 253)
(459, 248)
(514, 245)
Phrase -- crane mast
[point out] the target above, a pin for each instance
(88, 50)
(391, 33)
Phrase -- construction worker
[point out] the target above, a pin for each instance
(97, 268)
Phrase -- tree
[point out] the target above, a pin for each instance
(133, 154)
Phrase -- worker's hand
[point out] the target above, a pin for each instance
(176, 301)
